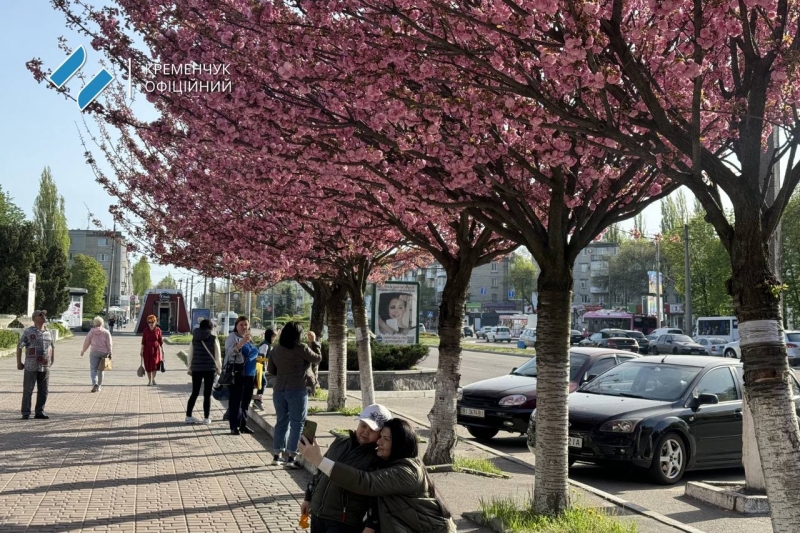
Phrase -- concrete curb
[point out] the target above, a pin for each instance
(261, 422)
(625, 504)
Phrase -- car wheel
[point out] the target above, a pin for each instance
(482, 434)
(675, 351)
(730, 354)
(654, 350)
(669, 460)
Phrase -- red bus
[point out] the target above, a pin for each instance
(597, 320)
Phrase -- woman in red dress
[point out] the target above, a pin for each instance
(152, 349)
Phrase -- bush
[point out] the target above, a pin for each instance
(63, 331)
(384, 356)
(8, 339)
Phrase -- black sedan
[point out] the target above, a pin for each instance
(677, 344)
(505, 403)
(641, 340)
(665, 414)
(575, 337)
(613, 339)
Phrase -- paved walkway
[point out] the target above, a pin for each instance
(123, 460)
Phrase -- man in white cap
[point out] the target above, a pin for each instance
(332, 508)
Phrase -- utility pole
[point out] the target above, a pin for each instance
(687, 307)
(659, 310)
(228, 307)
(111, 272)
(247, 304)
(205, 293)
(191, 296)
(213, 299)
(272, 302)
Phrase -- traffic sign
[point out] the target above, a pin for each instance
(430, 314)
(483, 290)
(511, 294)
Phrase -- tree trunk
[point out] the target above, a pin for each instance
(751, 460)
(337, 347)
(551, 490)
(767, 375)
(317, 309)
(443, 439)
(364, 348)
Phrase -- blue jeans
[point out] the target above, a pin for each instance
(291, 407)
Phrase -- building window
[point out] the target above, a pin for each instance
(600, 299)
(494, 266)
(584, 267)
(494, 297)
(583, 284)
(585, 298)
(102, 242)
(495, 283)
(102, 257)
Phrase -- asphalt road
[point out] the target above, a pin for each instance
(625, 483)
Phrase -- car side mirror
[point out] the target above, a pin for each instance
(514, 369)
(706, 399)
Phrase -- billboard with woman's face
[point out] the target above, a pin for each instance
(397, 313)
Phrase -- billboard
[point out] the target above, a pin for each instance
(198, 315)
(651, 282)
(396, 305)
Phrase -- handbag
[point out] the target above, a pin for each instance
(140, 372)
(161, 363)
(105, 364)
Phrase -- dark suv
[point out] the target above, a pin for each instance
(615, 339)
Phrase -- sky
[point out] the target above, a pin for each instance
(41, 128)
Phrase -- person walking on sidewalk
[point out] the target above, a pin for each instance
(111, 323)
(99, 339)
(316, 347)
(152, 349)
(291, 364)
(204, 361)
(264, 350)
(243, 353)
(332, 508)
(406, 498)
(40, 355)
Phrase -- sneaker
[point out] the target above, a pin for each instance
(99, 388)
(192, 420)
(207, 421)
(95, 388)
(276, 459)
(235, 432)
(291, 462)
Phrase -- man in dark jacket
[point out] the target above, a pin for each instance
(332, 508)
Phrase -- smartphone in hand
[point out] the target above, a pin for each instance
(310, 431)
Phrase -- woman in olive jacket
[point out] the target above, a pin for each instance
(406, 499)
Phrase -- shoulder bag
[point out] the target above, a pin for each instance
(230, 372)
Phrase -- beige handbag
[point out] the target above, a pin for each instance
(105, 364)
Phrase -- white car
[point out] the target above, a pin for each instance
(528, 337)
(499, 333)
(732, 350)
(713, 345)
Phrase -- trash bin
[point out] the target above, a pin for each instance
(520, 344)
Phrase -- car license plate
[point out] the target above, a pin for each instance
(478, 413)
(575, 442)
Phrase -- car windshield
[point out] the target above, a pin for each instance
(660, 381)
(681, 338)
(717, 341)
(576, 362)
(635, 334)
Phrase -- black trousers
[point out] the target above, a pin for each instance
(241, 394)
(321, 525)
(198, 378)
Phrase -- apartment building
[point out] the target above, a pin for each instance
(111, 252)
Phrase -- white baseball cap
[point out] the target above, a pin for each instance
(375, 416)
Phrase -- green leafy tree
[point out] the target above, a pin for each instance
(51, 291)
(638, 225)
(709, 265)
(48, 215)
(9, 212)
(627, 278)
(20, 255)
(167, 282)
(790, 267)
(87, 273)
(674, 213)
(523, 276)
(614, 234)
(141, 277)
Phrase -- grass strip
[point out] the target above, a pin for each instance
(479, 464)
(516, 519)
